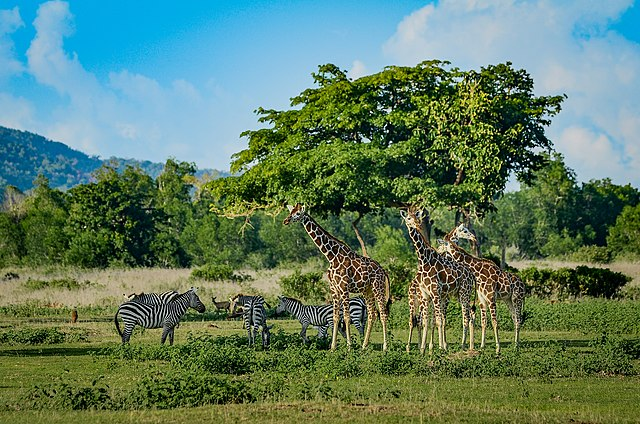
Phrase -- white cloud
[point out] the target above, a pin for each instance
(10, 21)
(358, 69)
(567, 48)
(16, 112)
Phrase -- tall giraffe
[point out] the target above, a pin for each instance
(493, 284)
(438, 277)
(348, 273)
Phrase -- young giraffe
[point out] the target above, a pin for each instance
(438, 277)
(348, 272)
(493, 284)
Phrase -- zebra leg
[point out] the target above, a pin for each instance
(165, 332)
(126, 334)
(303, 333)
(347, 319)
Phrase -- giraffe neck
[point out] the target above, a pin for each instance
(426, 254)
(330, 247)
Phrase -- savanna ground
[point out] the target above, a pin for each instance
(579, 362)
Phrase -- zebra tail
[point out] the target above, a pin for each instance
(115, 320)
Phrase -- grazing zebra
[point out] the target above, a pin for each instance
(358, 315)
(153, 298)
(321, 316)
(242, 301)
(162, 315)
(255, 316)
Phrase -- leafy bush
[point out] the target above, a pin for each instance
(65, 395)
(34, 336)
(185, 389)
(212, 272)
(400, 275)
(578, 282)
(592, 254)
(308, 287)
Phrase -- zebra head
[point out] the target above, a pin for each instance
(266, 336)
(295, 213)
(282, 305)
(195, 302)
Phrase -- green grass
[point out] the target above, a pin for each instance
(562, 373)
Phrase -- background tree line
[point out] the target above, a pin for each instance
(354, 151)
(126, 218)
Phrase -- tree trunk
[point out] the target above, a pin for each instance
(354, 224)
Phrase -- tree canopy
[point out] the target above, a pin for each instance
(430, 135)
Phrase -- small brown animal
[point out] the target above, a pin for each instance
(74, 316)
(221, 306)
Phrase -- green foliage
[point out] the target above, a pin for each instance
(212, 272)
(592, 254)
(578, 282)
(429, 135)
(65, 395)
(309, 286)
(36, 336)
(186, 389)
(624, 236)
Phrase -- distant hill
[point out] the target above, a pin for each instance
(24, 155)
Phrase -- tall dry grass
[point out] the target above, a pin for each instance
(108, 287)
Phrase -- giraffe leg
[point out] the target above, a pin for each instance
(371, 316)
(443, 323)
(425, 324)
(384, 315)
(347, 318)
(336, 322)
(494, 322)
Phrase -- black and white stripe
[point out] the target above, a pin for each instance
(162, 315)
(321, 316)
(255, 316)
(153, 298)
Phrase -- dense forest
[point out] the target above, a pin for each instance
(25, 155)
(128, 218)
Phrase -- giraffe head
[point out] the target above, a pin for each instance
(445, 247)
(295, 213)
(411, 218)
(462, 232)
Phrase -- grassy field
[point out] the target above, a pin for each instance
(579, 363)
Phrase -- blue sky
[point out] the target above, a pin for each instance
(156, 79)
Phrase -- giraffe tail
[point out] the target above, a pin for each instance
(387, 291)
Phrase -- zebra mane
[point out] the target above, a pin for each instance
(293, 299)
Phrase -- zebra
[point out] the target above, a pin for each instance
(321, 316)
(242, 301)
(255, 316)
(163, 315)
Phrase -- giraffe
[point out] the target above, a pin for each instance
(493, 284)
(348, 273)
(438, 277)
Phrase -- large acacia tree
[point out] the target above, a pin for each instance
(430, 135)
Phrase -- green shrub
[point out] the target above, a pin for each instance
(34, 336)
(212, 272)
(65, 395)
(592, 254)
(578, 282)
(308, 287)
(400, 275)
